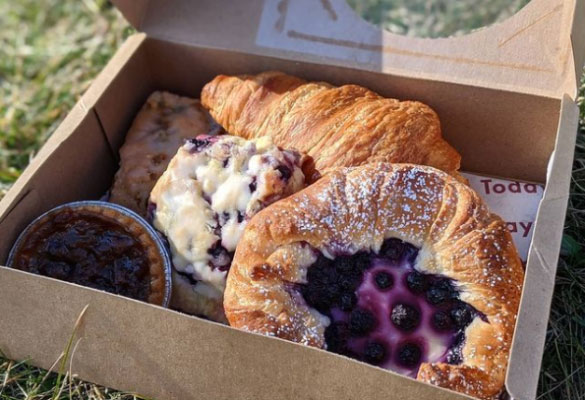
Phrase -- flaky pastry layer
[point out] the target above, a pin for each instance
(356, 209)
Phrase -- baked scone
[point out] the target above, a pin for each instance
(202, 203)
(337, 126)
(398, 265)
(159, 129)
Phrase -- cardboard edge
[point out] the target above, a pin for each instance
(83, 291)
(526, 353)
(71, 122)
(578, 42)
(133, 10)
(160, 25)
(122, 56)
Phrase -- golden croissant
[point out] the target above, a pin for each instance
(340, 126)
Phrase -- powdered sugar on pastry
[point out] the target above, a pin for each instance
(410, 271)
(210, 190)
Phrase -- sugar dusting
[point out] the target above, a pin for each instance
(356, 209)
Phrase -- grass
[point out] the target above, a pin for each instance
(49, 53)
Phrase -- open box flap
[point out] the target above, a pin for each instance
(540, 50)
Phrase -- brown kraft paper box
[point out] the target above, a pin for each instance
(506, 98)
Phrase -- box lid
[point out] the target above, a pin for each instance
(539, 50)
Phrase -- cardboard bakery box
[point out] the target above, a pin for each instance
(506, 98)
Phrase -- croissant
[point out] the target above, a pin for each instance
(336, 126)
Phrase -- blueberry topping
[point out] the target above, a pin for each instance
(252, 185)
(392, 249)
(336, 336)
(384, 280)
(285, 172)
(58, 270)
(461, 315)
(225, 162)
(455, 356)
(349, 274)
(222, 258)
(396, 250)
(440, 291)
(345, 265)
(442, 321)
(409, 355)
(240, 216)
(405, 317)
(347, 301)
(374, 353)
(349, 283)
(361, 322)
(150, 210)
(320, 295)
(334, 288)
(362, 261)
(56, 247)
(199, 143)
(416, 282)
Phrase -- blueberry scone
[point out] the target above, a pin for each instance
(159, 129)
(400, 266)
(202, 203)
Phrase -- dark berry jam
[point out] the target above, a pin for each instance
(385, 312)
(81, 247)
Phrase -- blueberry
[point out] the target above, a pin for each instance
(409, 355)
(384, 280)
(440, 291)
(349, 283)
(56, 247)
(361, 322)
(405, 317)
(285, 172)
(442, 321)
(362, 260)
(57, 270)
(322, 271)
(350, 273)
(416, 282)
(374, 353)
(322, 262)
(199, 143)
(461, 315)
(455, 355)
(336, 336)
(217, 250)
(150, 210)
(347, 301)
(344, 265)
(319, 295)
(392, 249)
(252, 185)
(221, 258)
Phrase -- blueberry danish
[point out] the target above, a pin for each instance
(396, 265)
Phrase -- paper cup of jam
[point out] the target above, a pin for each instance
(99, 245)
